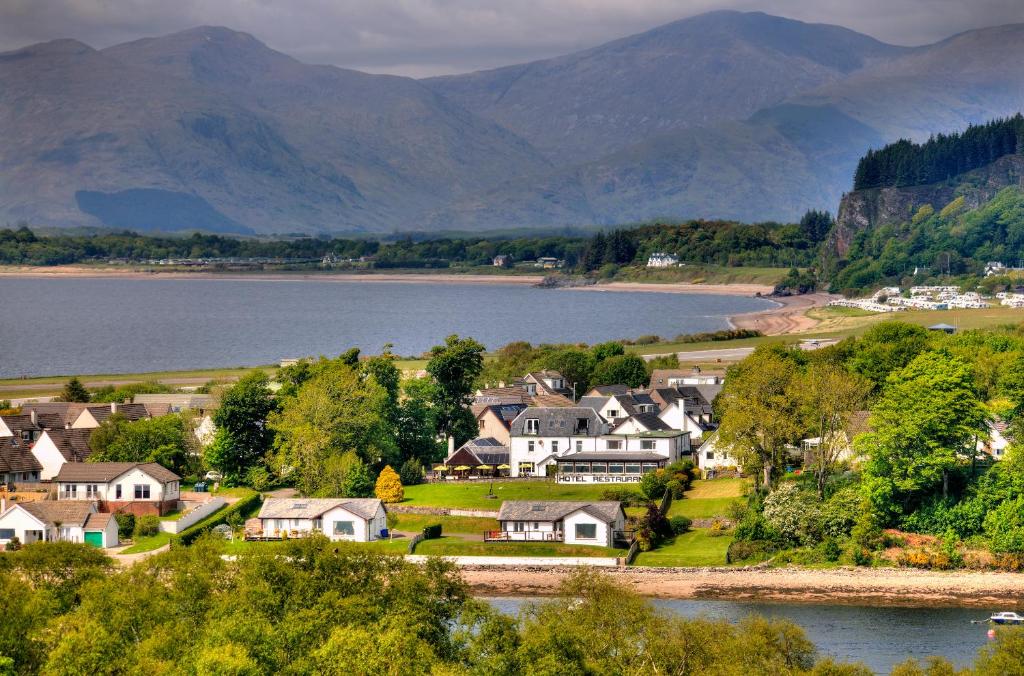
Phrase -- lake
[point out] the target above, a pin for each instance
(55, 326)
(880, 637)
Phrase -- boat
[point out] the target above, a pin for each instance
(1006, 618)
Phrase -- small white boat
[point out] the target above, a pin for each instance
(1006, 618)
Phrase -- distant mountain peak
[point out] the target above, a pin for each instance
(60, 47)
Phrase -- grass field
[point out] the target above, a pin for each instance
(702, 274)
(452, 546)
(148, 544)
(708, 499)
(695, 548)
(449, 524)
(399, 546)
(472, 494)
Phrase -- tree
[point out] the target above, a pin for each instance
(759, 411)
(389, 486)
(74, 391)
(416, 432)
(411, 472)
(335, 411)
(455, 367)
(925, 420)
(222, 454)
(887, 347)
(166, 440)
(243, 413)
(828, 397)
(629, 369)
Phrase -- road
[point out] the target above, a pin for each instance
(732, 353)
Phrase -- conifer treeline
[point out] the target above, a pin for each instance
(941, 157)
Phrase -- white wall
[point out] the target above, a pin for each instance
(48, 456)
(364, 530)
(603, 530)
(196, 515)
(519, 450)
(721, 458)
(20, 521)
(110, 537)
(158, 491)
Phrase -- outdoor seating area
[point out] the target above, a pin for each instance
(471, 471)
(523, 536)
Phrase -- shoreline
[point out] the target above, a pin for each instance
(902, 587)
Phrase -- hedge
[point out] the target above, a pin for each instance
(189, 535)
(431, 532)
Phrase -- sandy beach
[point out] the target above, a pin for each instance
(789, 317)
(854, 586)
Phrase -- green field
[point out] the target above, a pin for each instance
(449, 524)
(239, 546)
(472, 494)
(695, 548)
(708, 499)
(148, 544)
(696, 273)
(453, 546)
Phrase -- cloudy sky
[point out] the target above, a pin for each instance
(429, 37)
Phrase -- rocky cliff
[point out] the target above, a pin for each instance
(862, 209)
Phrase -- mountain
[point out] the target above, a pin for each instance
(724, 115)
(220, 132)
(695, 72)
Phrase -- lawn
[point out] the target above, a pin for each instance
(148, 544)
(239, 546)
(449, 524)
(452, 546)
(708, 499)
(472, 494)
(695, 548)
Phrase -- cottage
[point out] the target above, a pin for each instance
(660, 259)
(600, 524)
(714, 456)
(998, 440)
(66, 521)
(56, 447)
(135, 487)
(17, 463)
(484, 456)
(92, 416)
(351, 519)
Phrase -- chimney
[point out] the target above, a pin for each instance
(32, 416)
(113, 407)
(451, 446)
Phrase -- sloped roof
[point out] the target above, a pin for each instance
(16, 456)
(72, 444)
(311, 508)
(67, 512)
(108, 471)
(593, 401)
(559, 422)
(505, 413)
(556, 510)
(649, 421)
(98, 521)
(609, 390)
(178, 400)
(101, 412)
(485, 451)
(64, 411)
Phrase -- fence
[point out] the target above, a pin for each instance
(194, 516)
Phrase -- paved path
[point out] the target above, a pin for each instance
(129, 559)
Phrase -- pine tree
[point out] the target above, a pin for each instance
(75, 391)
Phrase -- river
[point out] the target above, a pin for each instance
(880, 637)
(75, 325)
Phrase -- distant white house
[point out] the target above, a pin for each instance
(660, 259)
(998, 440)
(49, 520)
(715, 456)
(600, 524)
(502, 261)
(352, 519)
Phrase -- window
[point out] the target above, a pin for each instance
(586, 531)
(6, 533)
(70, 491)
(579, 445)
(632, 468)
(647, 444)
(582, 426)
(615, 468)
(532, 426)
(536, 526)
(482, 424)
(344, 528)
(650, 467)
(517, 526)
(565, 468)
(142, 491)
(91, 491)
(26, 435)
(613, 413)
(614, 445)
(554, 447)
(318, 523)
(531, 389)
(530, 446)
(710, 455)
(599, 468)
(117, 492)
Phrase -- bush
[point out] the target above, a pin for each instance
(718, 528)
(867, 532)
(432, 532)
(242, 507)
(13, 545)
(627, 496)
(389, 486)
(744, 550)
(862, 556)
(675, 489)
(411, 472)
(125, 524)
(679, 524)
(1004, 527)
(754, 528)
(653, 484)
(147, 526)
(831, 550)
(258, 478)
(839, 512)
(793, 514)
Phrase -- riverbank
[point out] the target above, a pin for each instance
(854, 586)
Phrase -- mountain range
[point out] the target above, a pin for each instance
(728, 115)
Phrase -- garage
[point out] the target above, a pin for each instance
(94, 538)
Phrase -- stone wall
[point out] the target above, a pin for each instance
(442, 511)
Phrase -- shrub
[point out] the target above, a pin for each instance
(753, 528)
(242, 507)
(146, 526)
(744, 550)
(13, 545)
(389, 486)
(1013, 563)
(627, 496)
(839, 512)
(235, 520)
(647, 340)
(862, 556)
(679, 524)
(653, 484)
(432, 531)
(1004, 527)
(793, 514)
(718, 528)
(125, 524)
(411, 472)
(831, 550)
(258, 478)
(867, 532)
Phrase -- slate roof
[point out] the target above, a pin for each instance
(609, 390)
(178, 400)
(556, 510)
(485, 450)
(559, 422)
(98, 521)
(614, 456)
(108, 471)
(67, 512)
(650, 421)
(101, 412)
(506, 413)
(660, 377)
(64, 411)
(16, 456)
(593, 401)
(72, 444)
(311, 508)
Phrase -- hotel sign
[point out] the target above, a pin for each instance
(598, 478)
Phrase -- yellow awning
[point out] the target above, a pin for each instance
(484, 467)
(462, 468)
(504, 467)
(440, 468)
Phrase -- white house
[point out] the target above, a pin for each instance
(600, 524)
(202, 405)
(998, 440)
(352, 519)
(56, 447)
(539, 435)
(135, 487)
(48, 520)
(660, 259)
(713, 456)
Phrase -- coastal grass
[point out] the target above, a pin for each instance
(473, 494)
(449, 524)
(694, 548)
(454, 546)
(240, 546)
(702, 274)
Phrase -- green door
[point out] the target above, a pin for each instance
(94, 539)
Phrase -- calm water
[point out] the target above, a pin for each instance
(878, 637)
(61, 326)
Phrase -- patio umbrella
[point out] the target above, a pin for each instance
(484, 467)
(462, 468)
(504, 467)
(440, 468)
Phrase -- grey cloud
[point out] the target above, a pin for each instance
(427, 37)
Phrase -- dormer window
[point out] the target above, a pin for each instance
(582, 426)
(531, 389)
(532, 426)
(613, 413)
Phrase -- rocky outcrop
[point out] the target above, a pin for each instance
(863, 209)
